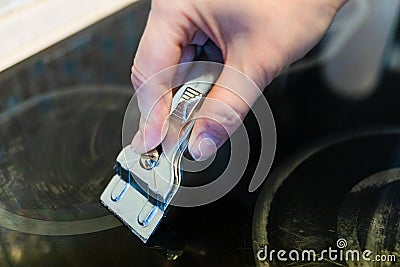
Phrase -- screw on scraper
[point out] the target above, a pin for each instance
(149, 159)
(144, 185)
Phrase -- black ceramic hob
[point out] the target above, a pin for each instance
(335, 173)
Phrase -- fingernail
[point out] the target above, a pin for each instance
(204, 149)
(136, 141)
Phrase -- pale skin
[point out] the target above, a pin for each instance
(260, 38)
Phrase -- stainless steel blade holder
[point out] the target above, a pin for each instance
(144, 185)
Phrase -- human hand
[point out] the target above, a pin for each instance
(260, 38)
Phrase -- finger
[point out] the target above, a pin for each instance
(159, 48)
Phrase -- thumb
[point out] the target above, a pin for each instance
(225, 107)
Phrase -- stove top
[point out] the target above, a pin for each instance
(335, 173)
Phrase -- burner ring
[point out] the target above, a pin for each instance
(56, 156)
(303, 202)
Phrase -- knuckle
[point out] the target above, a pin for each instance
(212, 128)
(221, 122)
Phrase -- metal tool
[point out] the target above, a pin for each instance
(144, 185)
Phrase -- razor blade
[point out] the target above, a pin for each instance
(144, 184)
